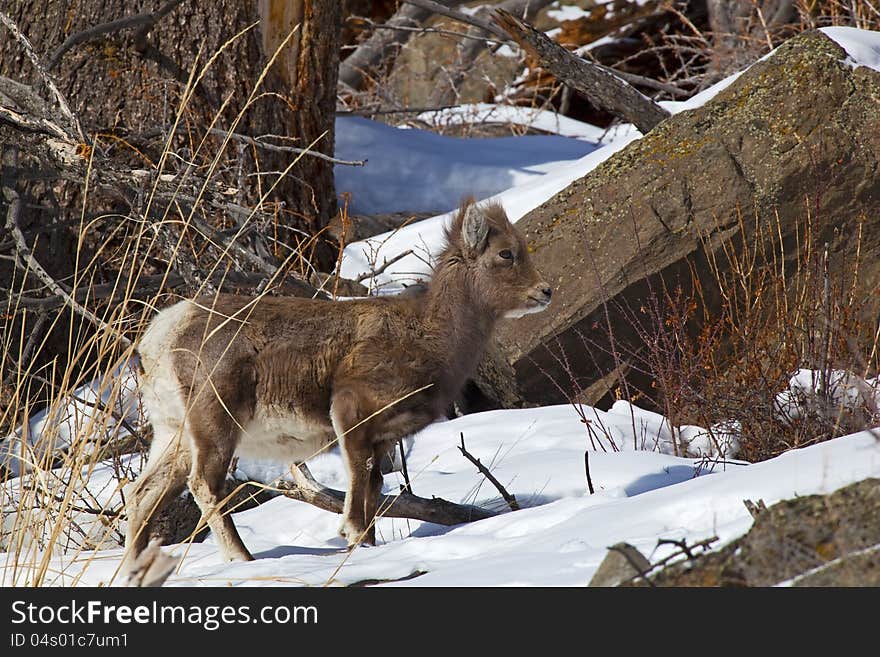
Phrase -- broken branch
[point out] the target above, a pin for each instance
(510, 499)
(600, 85)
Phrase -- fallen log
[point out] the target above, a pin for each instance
(602, 86)
(305, 488)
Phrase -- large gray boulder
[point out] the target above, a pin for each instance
(797, 133)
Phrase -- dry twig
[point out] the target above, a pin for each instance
(31, 264)
(510, 499)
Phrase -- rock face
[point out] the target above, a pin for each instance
(797, 133)
(817, 540)
(425, 62)
(622, 563)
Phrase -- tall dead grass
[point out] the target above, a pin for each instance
(773, 340)
(68, 368)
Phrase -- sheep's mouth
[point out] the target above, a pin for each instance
(533, 305)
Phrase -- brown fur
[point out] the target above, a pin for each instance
(287, 376)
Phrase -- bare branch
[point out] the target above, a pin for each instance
(405, 505)
(650, 83)
(381, 44)
(587, 470)
(510, 499)
(401, 110)
(23, 121)
(603, 87)
(407, 487)
(34, 266)
(144, 21)
(23, 110)
(385, 265)
(219, 132)
(147, 286)
(443, 10)
(282, 149)
(46, 77)
(471, 48)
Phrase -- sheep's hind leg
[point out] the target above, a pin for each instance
(162, 479)
(211, 461)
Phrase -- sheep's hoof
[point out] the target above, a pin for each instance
(355, 536)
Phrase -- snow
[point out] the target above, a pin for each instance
(567, 13)
(558, 539)
(531, 117)
(643, 493)
(562, 12)
(426, 236)
(602, 41)
(862, 46)
(68, 421)
(421, 171)
(846, 391)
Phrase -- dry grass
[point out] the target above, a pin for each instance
(73, 363)
(721, 351)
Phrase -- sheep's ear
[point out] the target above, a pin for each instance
(475, 228)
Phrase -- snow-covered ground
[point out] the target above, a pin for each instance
(421, 171)
(642, 491)
(558, 539)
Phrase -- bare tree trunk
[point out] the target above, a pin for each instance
(129, 82)
(308, 67)
(125, 81)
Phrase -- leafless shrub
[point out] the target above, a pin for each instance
(775, 345)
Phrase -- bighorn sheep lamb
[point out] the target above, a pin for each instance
(283, 378)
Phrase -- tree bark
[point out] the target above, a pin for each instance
(130, 81)
(308, 67)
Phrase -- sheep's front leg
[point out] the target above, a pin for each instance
(358, 453)
(359, 459)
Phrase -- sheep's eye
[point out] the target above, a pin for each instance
(506, 254)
